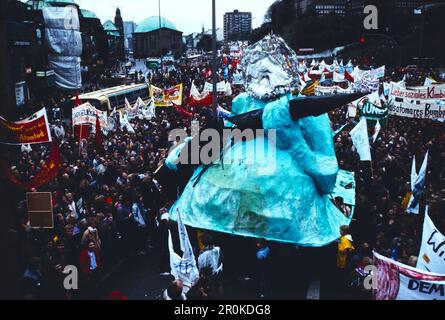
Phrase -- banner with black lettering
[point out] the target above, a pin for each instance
(431, 255)
(432, 92)
(86, 114)
(428, 109)
(396, 281)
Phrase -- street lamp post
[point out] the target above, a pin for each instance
(214, 62)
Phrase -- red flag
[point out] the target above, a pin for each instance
(182, 112)
(77, 102)
(328, 74)
(348, 76)
(82, 133)
(99, 145)
(47, 173)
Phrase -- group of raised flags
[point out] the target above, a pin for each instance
(343, 78)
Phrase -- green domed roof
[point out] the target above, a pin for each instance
(109, 26)
(88, 14)
(152, 23)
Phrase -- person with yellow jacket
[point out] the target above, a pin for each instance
(345, 247)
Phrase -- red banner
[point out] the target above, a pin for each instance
(47, 173)
(34, 129)
(206, 101)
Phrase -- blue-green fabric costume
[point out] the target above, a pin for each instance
(283, 196)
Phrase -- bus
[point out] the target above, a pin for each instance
(110, 98)
(153, 63)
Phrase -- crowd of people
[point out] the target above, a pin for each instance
(108, 205)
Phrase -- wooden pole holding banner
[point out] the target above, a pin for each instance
(214, 62)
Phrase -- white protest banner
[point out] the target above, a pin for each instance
(220, 87)
(378, 73)
(431, 255)
(429, 109)
(183, 268)
(369, 84)
(86, 114)
(321, 90)
(396, 281)
(360, 139)
(433, 92)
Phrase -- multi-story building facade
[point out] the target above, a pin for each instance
(237, 25)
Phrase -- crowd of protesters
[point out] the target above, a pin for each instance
(108, 206)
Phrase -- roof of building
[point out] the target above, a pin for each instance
(152, 23)
(88, 14)
(109, 26)
(39, 4)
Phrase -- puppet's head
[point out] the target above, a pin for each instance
(270, 68)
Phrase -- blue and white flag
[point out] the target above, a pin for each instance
(183, 268)
(417, 185)
(223, 113)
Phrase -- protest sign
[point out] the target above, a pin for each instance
(396, 281)
(168, 97)
(86, 114)
(34, 129)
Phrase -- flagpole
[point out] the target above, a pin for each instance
(160, 36)
(80, 137)
(214, 63)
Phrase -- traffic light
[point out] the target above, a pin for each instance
(362, 40)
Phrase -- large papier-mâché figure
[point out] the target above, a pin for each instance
(282, 192)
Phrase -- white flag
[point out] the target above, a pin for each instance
(183, 268)
(360, 139)
(431, 256)
(338, 77)
(123, 119)
(428, 82)
(228, 89)
(377, 129)
(322, 77)
(127, 104)
(417, 184)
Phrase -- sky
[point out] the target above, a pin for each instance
(187, 15)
